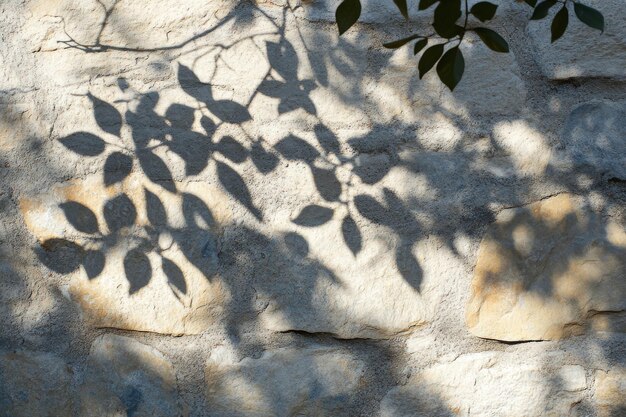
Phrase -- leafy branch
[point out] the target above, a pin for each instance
(446, 55)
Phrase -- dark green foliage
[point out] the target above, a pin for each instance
(446, 15)
(492, 39)
(450, 67)
(425, 4)
(542, 9)
(429, 59)
(559, 23)
(450, 22)
(400, 42)
(419, 45)
(589, 16)
(484, 10)
(402, 7)
(347, 14)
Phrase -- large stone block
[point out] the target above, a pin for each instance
(489, 384)
(491, 85)
(314, 381)
(594, 139)
(311, 282)
(583, 51)
(140, 256)
(610, 393)
(34, 384)
(547, 271)
(125, 377)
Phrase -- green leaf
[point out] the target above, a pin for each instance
(542, 9)
(589, 16)
(492, 39)
(429, 59)
(419, 45)
(531, 3)
(559, 23)
(484, 10)
(445, 17)
(425, 4)
(403, 8)
(448, 31)
(347, 14)
(400, 42)
(451, 67)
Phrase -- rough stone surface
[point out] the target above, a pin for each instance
(139, 259)
(34, 384)
(488, 384)
(593, 138)
(234, 181)
(314, 381)
(543, 270)
(404, 96)
(126, 377)
(610, 394)
(375, 305)
(603, 52)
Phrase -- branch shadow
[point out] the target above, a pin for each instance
(353, 180)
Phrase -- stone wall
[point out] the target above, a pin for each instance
(220, 208)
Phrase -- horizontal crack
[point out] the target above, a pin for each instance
(326, 335)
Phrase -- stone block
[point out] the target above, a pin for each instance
(310, 381)
(127, 378)
(545, 269)
(140, 257)
(583, 52)
(34, 384)
(488, 384)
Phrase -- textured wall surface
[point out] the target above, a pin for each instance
(221, 208)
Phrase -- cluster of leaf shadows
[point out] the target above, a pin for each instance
(369, 161)
(198, 238)
(173, 130)
(450, 25)
(287, 254)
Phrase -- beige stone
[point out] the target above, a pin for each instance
(34, 384)
(489, 384)
(165, 286)
(388, 290)
(610, 394)
(125, 377)
(603, 52)
(573, 378)
(312, 382)
(543, 269)
(593, 142)
(526, 148)
(406, 98)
